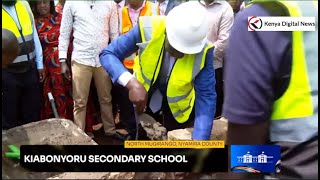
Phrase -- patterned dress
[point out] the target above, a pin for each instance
(49, 30)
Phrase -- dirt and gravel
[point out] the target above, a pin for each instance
(64, 132)
(154, 130)
(46, 132)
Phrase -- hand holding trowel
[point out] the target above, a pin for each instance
(139, 96)
(154, 130)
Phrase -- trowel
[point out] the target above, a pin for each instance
(154, 130)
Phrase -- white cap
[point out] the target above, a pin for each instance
(187, 27)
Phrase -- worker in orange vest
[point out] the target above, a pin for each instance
(129, 17)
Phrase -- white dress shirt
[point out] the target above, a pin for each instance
(221, 19)
(92, 22)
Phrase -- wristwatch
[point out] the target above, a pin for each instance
(63, 60)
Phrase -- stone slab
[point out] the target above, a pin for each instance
(219, 131)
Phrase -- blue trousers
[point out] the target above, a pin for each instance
(20, 98)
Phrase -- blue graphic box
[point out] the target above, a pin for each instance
(255, 158)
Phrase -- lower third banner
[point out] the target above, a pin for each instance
(104, 158)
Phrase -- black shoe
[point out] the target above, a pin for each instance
(118, 135)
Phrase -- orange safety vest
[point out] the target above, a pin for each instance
(148, 10)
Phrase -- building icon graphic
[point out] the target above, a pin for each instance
(248, 158)
(262, 158)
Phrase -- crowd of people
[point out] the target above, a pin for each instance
(183, 63)
(68, 45)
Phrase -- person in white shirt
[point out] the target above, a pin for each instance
(221, 17)
(93, 23)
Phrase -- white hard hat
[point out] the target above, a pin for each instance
(187, 27)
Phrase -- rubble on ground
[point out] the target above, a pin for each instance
(154, 130)
(64, 132)
(45, 132)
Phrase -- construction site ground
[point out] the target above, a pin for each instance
(44, 133)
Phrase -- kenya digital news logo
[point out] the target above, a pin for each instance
(254, 23)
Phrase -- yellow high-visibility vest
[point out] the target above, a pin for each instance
(180, 91)
(24, 34)
(295, 114)
(126, 25)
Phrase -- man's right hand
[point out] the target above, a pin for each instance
(137, 95)
(65, 71)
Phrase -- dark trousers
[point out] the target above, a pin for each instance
(120, 98)
(20, 98)
(219, 91)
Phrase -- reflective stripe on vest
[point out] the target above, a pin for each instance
(181, 96)
(25, 19)
(148, 10)
(180, 90)
(295, 113)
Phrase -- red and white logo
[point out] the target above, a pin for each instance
(254, 23)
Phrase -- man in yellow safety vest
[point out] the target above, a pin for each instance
(174, 68)
(271, 86)
(21, 79)
(128, 17)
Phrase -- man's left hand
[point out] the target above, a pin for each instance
(41, 75)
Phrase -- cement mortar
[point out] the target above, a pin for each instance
(154, 130)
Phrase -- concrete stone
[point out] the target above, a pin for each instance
(219, 131)
(44, 132)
